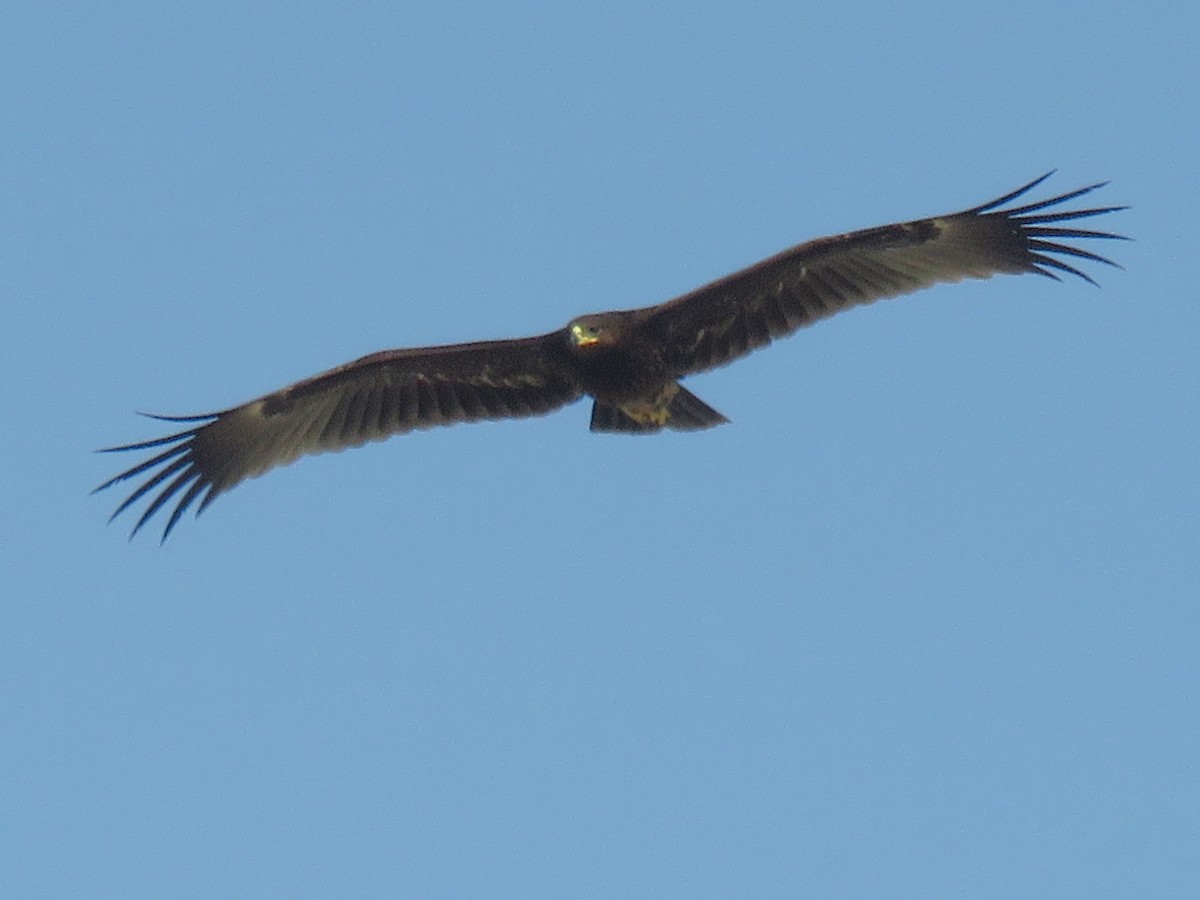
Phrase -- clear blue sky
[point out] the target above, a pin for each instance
(922, 622)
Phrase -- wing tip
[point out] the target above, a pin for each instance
(1011, 195)
(175, 465)
(1031, 224)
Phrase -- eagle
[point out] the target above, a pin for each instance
(629, 362)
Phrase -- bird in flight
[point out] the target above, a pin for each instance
(629, 361)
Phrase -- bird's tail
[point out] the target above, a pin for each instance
(676, 408)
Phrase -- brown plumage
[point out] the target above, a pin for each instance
(629, 361)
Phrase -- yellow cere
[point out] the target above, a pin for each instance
(583, 335)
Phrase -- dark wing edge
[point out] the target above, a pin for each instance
(178, 456)
(1032, 224)
(371, 399)
(731, 317)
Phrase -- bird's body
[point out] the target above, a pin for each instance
(629, 361)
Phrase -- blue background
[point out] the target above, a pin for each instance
(922, 622)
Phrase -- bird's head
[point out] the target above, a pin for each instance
(591, 331)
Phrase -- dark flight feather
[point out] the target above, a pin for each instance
(628, 361)
(367, 400)
(724, 320)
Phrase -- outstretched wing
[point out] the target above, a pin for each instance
(728, 318)
(366, 400)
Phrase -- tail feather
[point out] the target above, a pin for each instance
(684, 412)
